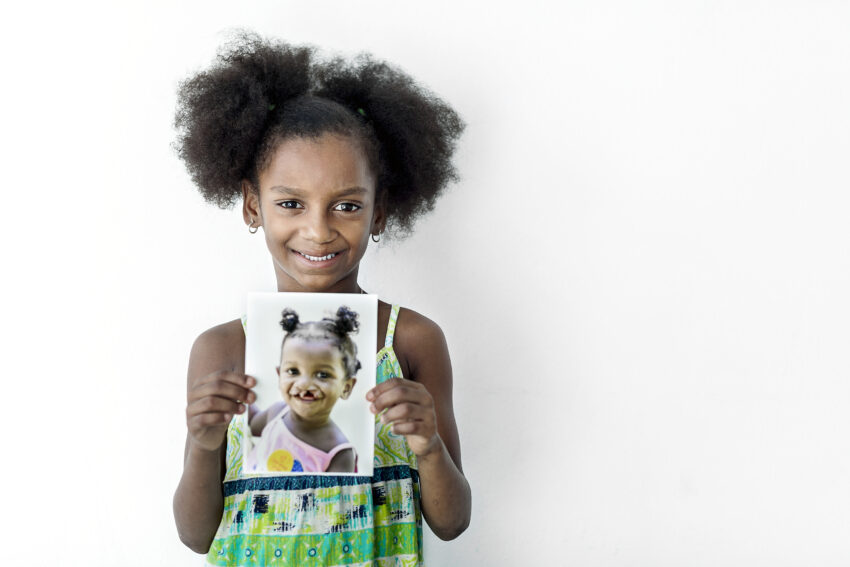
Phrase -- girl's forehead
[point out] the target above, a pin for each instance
(330, 162)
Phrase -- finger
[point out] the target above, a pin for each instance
(411, 428)
(222, 389)
(387, 384)
(406, 393)
(237, 378)
(213, 404)
(208, 420)
(404, 412)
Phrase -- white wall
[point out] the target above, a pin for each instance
(642, 276)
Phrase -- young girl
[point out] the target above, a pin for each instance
(323, 155)
(318, 366)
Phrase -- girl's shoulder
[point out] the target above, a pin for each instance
(225, 342)
(418, 342)
(413, 327)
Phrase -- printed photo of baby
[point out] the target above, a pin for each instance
(317, 366)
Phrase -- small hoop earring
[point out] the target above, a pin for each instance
(250, 226)
(376, 238)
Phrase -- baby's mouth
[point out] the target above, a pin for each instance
(306, 397)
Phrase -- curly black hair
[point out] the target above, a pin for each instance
(259, 92)
(336, 330)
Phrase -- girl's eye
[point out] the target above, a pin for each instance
(348, 207)
(290, 204)
(322, 375)
(292, 371)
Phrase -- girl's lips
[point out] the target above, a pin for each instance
(317, 261)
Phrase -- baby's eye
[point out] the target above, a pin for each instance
(322, 375)
(292, 371)
(290, 204)
(348, 207)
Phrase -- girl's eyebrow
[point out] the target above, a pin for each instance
(356, 190)
(282, 189)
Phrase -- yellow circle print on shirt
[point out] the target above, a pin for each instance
(282, 460)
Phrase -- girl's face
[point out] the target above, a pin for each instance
(317, 207)
(312, 377)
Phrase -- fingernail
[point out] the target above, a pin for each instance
(250, 381)
(227, 417)
(370, 396)
(373, 409)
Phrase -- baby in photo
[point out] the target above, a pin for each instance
(318, 366)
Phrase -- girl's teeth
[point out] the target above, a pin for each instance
(318, 258)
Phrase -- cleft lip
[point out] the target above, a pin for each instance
(306, 396)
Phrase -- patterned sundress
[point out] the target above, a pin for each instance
(325, 520)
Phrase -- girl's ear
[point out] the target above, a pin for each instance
(379, 218)
(251, 205)
(347, 387)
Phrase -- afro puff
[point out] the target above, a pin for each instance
(338, 330)
(259, 92)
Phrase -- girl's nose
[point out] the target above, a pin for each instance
(317, 228)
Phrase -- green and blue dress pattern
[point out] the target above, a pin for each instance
(325, 520)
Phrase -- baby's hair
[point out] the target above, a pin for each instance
(231, 117)
(337, 330)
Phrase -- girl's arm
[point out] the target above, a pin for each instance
(421, 410)
(213, 396)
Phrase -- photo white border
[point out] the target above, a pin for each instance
(263, 338)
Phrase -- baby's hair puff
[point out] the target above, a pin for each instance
(258, 92)
(338, 330)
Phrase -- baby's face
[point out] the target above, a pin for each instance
(312, 377)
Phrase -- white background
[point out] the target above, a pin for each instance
(642, 276)
(263, 340)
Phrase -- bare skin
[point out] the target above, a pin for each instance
(317, 198)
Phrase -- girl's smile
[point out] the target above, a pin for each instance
(316, 204)
(320, 257)
(318, 260)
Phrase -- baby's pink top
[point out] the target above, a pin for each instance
(279, 450)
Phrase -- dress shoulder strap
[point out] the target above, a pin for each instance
(341, 447)
(391, 326)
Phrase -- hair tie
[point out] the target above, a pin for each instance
(271, 107)
(361, 112)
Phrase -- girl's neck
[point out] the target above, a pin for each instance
(346, 285)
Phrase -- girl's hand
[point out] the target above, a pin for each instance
(212, 401)
(409, 408)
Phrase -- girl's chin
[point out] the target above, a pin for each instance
(317, 283)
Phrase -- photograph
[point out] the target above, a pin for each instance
(311, 354)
